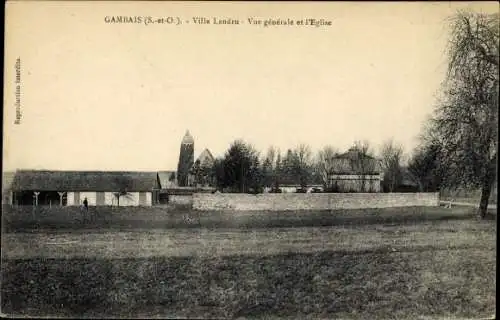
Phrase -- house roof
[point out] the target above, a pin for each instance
(164, 179)
(349, 163)
(206, 157)
(45, 180)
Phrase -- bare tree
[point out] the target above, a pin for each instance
(391, 155)
(122, 184)
(272, 162)
(324, 164)
(466, 122)
(302, 164)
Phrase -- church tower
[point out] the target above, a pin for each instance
(186, 160)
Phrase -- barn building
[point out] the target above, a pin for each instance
(70, 188)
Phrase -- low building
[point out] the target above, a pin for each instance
(70, 188)
(354, 171)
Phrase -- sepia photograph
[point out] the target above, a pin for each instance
(250, 160)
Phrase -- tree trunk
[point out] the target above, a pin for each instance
(485, 196)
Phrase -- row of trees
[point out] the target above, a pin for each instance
(244, 169)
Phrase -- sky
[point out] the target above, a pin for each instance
(104, 96)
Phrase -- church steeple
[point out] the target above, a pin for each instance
(188, 138)
(186, 159)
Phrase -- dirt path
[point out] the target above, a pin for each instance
(466, 204)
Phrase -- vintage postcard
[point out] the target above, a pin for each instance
(250, 160)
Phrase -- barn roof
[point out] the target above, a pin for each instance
(45, 180)
(164, 179)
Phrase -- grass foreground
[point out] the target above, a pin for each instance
(427, 269)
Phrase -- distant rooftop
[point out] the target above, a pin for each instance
(206, 157)
(352, 153)
(54, 180)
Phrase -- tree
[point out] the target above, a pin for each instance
(122, 184)
(270, 168)
(302, 164)
(425, 169)
(391, 156)
(217, 173)
(196, 173)
(465, 124)
(202, 173)
(171, 178)
(278, 170)
(240, 169)
(297, 165)
(324, 164)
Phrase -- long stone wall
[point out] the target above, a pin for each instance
(311, 201)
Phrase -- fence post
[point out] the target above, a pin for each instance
(36, 198)
(61, 194)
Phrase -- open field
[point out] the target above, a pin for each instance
(359, 268)
(127, 218)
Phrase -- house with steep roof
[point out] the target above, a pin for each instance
(355, 171)
(45, 187)
(206, 159)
